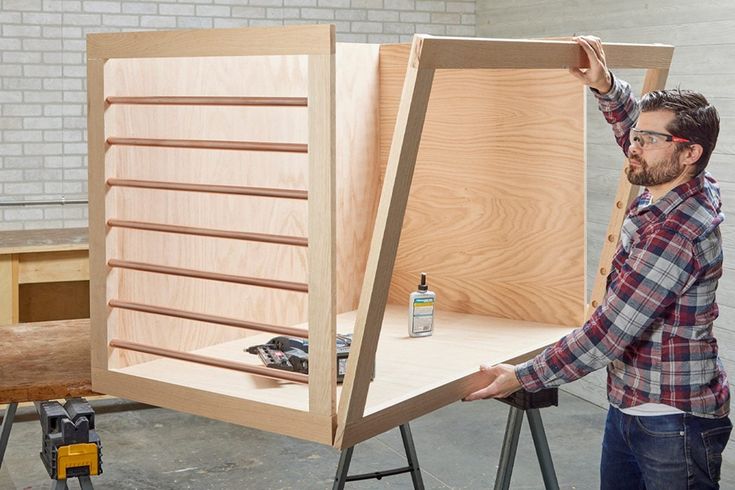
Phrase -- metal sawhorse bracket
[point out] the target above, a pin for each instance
(530, 403)
(413, 465)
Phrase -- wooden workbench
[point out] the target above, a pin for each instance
(44, 275)
(44, 361)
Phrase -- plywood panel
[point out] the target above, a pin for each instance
(221, 255)
(357, 178)
(217, 211)
(217, 167)
(358, 171)
(236, 301)
(265, 76)
(405, 367)
(496, 210)
(228, 123)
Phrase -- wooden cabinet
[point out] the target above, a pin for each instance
(235, 181)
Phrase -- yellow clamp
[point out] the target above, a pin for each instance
(77, 456)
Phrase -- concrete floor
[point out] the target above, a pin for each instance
(457, 446)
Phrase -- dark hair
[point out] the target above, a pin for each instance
(694, 119)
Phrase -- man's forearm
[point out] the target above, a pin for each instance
(620, 108)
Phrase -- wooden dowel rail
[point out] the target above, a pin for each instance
(213, 189)
(209, 361)
(208, 232)
(211, 144)
(202, 317)
(211, 100)
(213, 276)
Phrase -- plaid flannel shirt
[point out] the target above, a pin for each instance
(653, 330)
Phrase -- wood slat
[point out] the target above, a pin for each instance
(99, 285)
(213, 276)
(210, 144)
(384, 244)
(214, 189)
(209, 361)
(447, 52)
(322, 232)
(208, 232)
(202, 317)
(218, 101)
(282, 40)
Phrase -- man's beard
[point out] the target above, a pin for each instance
(664, 171)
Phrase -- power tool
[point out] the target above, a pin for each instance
(292, 354)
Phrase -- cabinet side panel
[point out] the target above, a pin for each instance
(358, 169)
(496, 213)
(202, 213)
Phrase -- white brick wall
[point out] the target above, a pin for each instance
(43, 85)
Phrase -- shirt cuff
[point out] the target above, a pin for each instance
(528, 377)
(612, 99)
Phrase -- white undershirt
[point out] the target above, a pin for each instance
(651, 409)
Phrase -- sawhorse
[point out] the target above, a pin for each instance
(56, 484)
(345, 458)
(530, 403)
(520, 402)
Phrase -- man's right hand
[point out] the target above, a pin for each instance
(597, 76)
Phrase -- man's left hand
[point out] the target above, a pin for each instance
(503, 383)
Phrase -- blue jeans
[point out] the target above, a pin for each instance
(664, 452)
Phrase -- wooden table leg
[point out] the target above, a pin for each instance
(8, 289)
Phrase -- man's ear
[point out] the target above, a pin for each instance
(691, 154)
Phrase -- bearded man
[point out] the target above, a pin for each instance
(667, 423)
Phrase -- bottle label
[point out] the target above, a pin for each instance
(423, 314)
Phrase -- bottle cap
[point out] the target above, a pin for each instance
(423, 286)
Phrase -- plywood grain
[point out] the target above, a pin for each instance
(406, 368)
(496, 214)
(357, 184)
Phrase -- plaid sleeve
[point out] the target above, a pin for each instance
(657, 271)
(620, 109)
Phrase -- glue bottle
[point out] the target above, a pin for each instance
(421, 310)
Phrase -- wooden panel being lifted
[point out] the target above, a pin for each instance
(496, 212)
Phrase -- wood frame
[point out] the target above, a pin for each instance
(428, 54)
(324, 421)
(317, 42)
